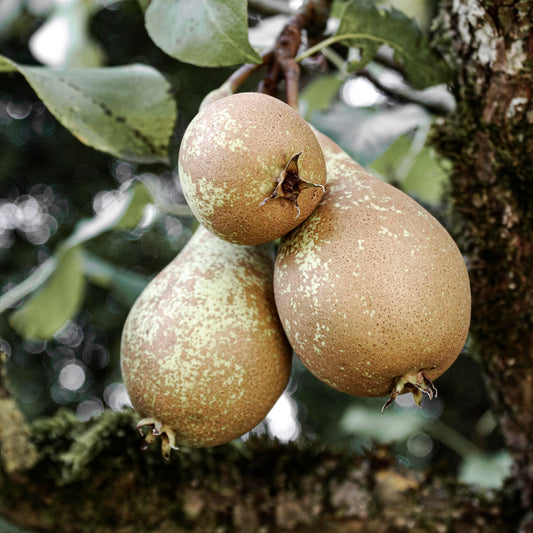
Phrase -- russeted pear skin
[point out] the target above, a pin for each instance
(251, 168)
(203, 354)
(372, 291)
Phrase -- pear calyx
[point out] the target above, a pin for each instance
(417, 384)
(158, 429)
(290, 184)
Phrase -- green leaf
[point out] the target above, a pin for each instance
(365, 27)
(207, 33)
(59, 299)
(319, 94)
(79, 49)
(485, 470)
(140, 197)
(30, 284)
(125, 111)
(389, 427)
(124, 213)
(126, 284)
(143, 4)
(7, 65)
(420, 173)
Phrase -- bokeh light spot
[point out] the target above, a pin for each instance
(72, 376)
(116, 396)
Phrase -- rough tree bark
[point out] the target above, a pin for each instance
(490, 141)
(95, 477)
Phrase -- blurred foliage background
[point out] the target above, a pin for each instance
(49, 181)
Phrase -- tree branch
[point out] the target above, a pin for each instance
(94, 477)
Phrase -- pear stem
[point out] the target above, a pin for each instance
(232, 84)
(280, 60)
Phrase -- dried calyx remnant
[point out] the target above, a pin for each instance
(290, 184)
(415, 383)
(157, 429)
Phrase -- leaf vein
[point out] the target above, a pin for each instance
(222, 31)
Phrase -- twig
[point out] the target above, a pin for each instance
(231, 85)
(311, 17)
(244, 72)
(280, 61)
(285, 51)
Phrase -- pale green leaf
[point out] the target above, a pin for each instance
(124, 213)
(126, 284)
(319, 94)
(143, 4)
(140, 197)
(389, 426)
(366, 27)
(78, 49)
(6, 65)
(30, 284)
(59, 299)
(125, 111)
(424, 175)
(207, 33)
(485, 470)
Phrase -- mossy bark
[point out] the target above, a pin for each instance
(489, 138)
(94, 477)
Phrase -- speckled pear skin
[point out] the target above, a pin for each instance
(230, 157)
(371, 287)
(203, 351)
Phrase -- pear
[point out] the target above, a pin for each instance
(203, 353)
(251, 168)
(372, 291)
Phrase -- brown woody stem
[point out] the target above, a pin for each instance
(231, 85)
(312, 17)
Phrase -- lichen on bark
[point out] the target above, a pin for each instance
(95, 477)
(17, 450)
(489, 139)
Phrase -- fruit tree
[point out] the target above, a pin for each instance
(266, 265)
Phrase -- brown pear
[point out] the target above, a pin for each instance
(203, 354)
(251, 168)
(372, 291)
